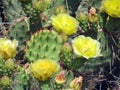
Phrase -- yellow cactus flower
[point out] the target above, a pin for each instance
(44, 69)
(86, 47)
(64, 23)
(112, 8)
(8, 48)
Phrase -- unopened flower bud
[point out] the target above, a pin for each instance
(5, 81)
(67, 47)
(76, 84)
(9, 64)
(60, 78)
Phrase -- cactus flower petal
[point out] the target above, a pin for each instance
(44, 69)
(86, 47)
(64, 23)
(112, 8)
(8, 47)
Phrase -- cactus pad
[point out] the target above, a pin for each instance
(20, 31)
(44, 44)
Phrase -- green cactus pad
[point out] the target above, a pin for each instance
(44, 45)
(12, 10)
(20, 79)
(20, 31)
(68, 60)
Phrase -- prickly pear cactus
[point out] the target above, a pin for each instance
(68, 59)
(105, 58)
(21, 31)
(7, 67)
(79, 56)
(53, 84)
(20, 79)
(12, 10)
(44, 44)
(12, 76)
